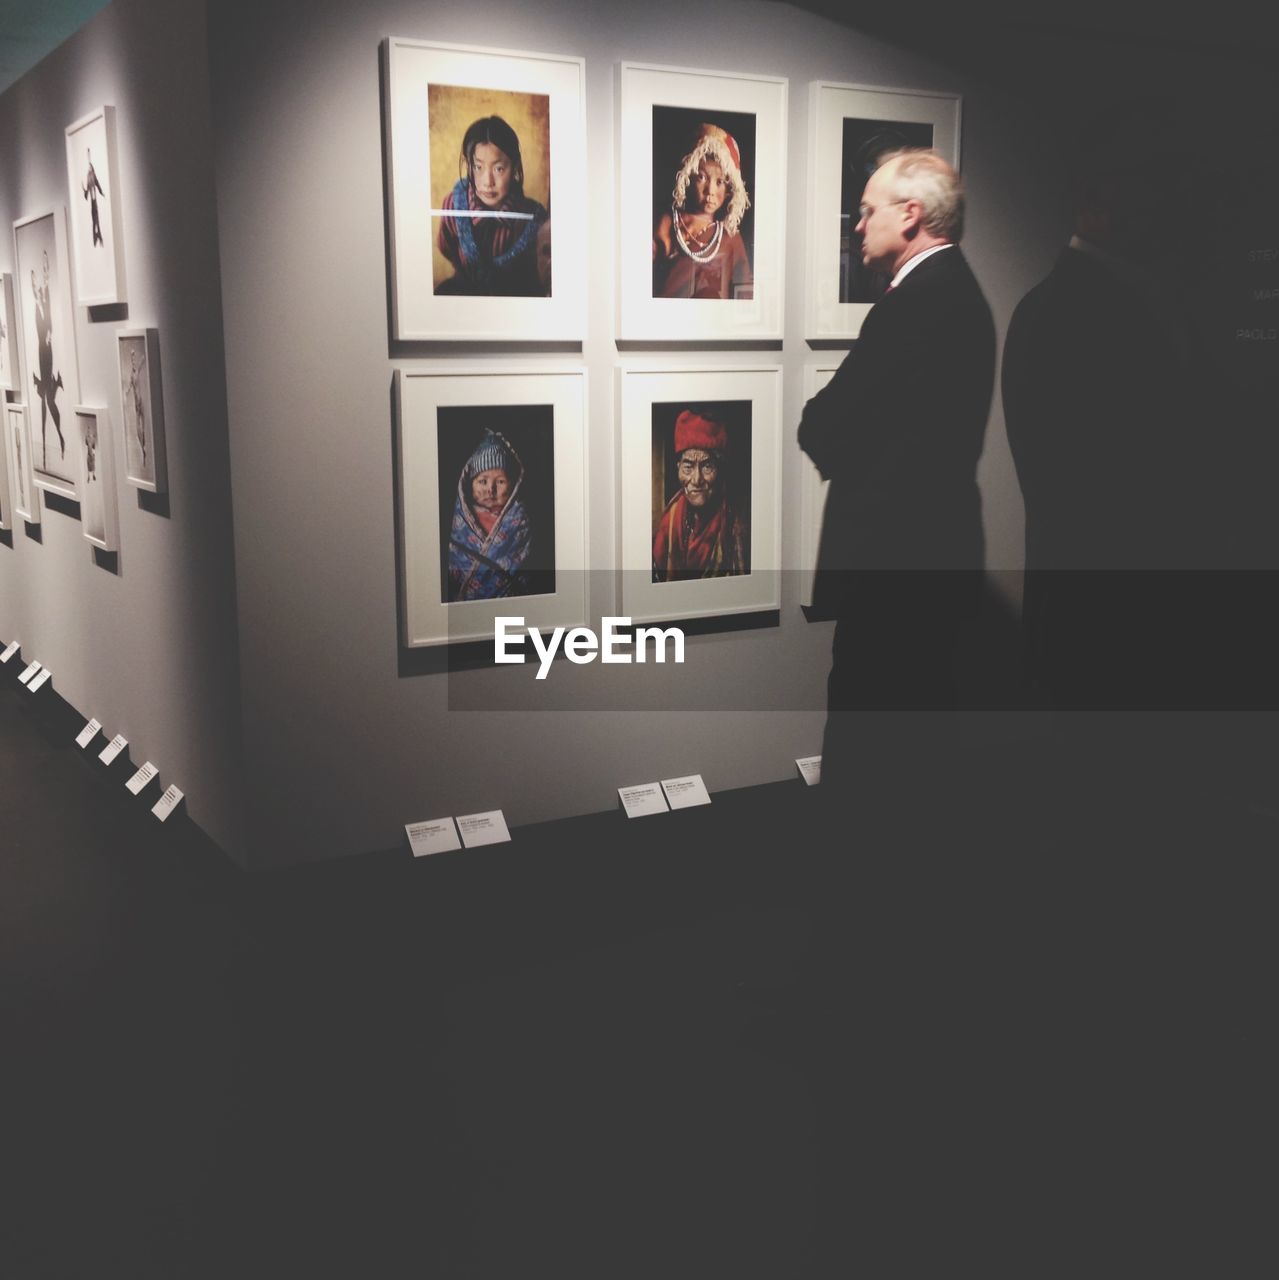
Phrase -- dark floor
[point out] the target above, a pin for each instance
(1056, 1052)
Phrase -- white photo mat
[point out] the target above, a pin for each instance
(37, 239)
(8, 487)
(641, 316)
(9, 380)
(141, 408)
(812, 489)
(411, 67)
(419, 396)
(97, 230)
(639, 389)
(91, 425)
(17, 447)
(829, 105)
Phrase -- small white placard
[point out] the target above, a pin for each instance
(166, 804)
(41, 680)
(87, 734)
(113, 748)
(647, 798)
(437, 836)
(684, 793)
(9, 652)
(810, 769)
(142, 777)
(25, 677)
(483, 828)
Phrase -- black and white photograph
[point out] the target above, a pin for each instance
(141, 408)
(17, 447)
(93, 175)
(97, 485)
(43, 285)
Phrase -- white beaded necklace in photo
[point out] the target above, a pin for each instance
(708, 250)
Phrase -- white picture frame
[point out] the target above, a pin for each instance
(655, 100)
(97, 228)
(7, 488)
(812, 488)
(9, 377)
(747, 400)
(141, 408)
(17, 445)
(42, 282)
(99, 515)
(859, 120)
(441, 417)
(545, 93)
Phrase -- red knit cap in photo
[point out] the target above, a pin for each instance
(692, 431)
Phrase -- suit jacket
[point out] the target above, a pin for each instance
(898, 431)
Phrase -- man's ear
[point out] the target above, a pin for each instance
(912, 217)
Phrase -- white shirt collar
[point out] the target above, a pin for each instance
(910, 265)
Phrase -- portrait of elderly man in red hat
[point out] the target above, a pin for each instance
(703, 528)
(701, 224)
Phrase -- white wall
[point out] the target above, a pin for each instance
(345, 738)
(149, 648)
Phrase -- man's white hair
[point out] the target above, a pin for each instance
(920, 173)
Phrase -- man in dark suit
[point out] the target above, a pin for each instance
(898, 432)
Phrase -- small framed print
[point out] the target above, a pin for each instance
(7, 487)
(492, 489)
(17, 452)
(486, 155)
(703, 204)
(812, 491)
(700, 506)
(98, 515)
(8, 337)
(42, 279)
(859, 124)
(141, 408)
(97, 232)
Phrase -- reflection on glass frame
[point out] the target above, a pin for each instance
(858, 124)
(9, 380)
(141, 408)
(487, 190)
(17, 447)
(812, 492)
(703, 204)
(492, 498)
(98, 515)
(97, 233)
(47, 326)
(700, 501)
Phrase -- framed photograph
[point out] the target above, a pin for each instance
(98, 515)
(486, 151)
(97, 234)
(492, 488)
(812, 490)
(7, 488)
(141, 408)
(9, 380)
(703, 204)
(42, 278)
(858, 124)
(17, 451)
(700, 505)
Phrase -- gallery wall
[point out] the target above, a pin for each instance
(347, 736)
(144, 640)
